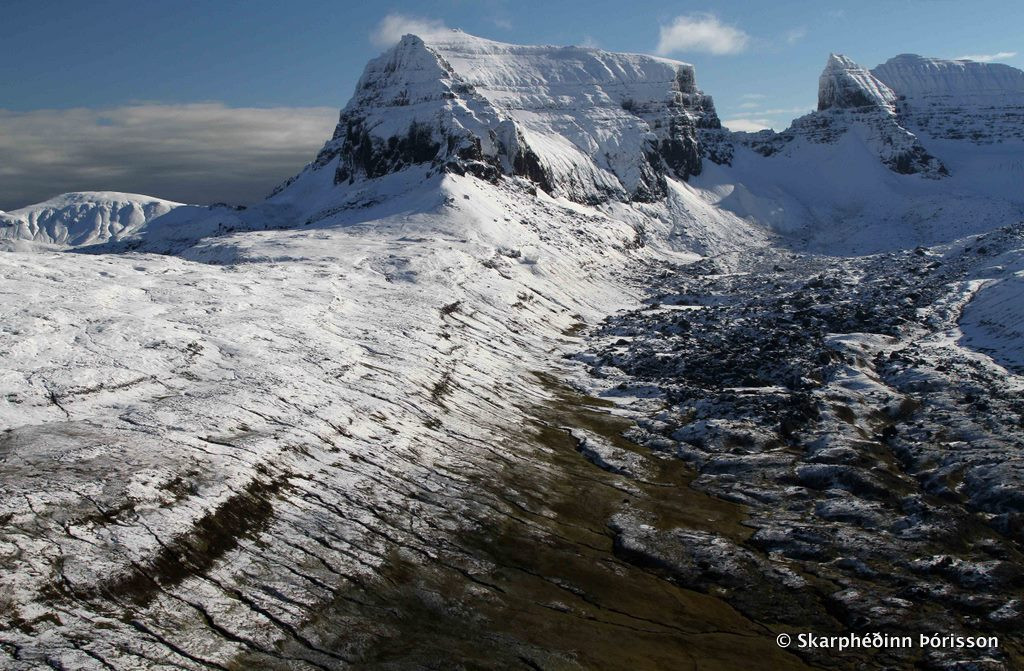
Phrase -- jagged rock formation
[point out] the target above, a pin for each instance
(583, 123)
(956, 100)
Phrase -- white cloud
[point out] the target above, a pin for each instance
(988, 58)
(795, 35)
(199, 153)
(756, 108)
(753, 96)
(701, 32)
(589, 42)
(395, 25)
(788, 110)
(750, 125)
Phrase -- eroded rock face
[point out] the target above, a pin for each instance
(981, 103)
(581, 123)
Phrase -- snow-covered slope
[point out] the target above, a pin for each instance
(581, 123)
(358, 390)
(82, 218)
(993, 320)
(260, 405)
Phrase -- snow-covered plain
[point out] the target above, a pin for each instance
(312, 433)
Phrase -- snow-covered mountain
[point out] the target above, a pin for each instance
(957, 100)
(576, 124)
(845, 85)
(579, 122)
(920, 79)
(907, 104)
(599, 127)
(865, 173)
(293, 435)
(850, 98)
(82, 218)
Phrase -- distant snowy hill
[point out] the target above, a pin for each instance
(82, 218)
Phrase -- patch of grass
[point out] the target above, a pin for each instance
(244, 514)
(540, 586)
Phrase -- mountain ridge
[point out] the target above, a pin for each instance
(597, 127)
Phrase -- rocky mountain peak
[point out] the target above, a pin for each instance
(850, 97)
(843, 84)
(583, 123)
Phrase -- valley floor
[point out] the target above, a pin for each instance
(366, 446)
(878, 454)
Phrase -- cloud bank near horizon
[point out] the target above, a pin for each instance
(988, 58)
(194, 153)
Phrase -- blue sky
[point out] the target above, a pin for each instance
(759, 60)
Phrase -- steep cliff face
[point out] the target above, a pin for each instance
(851, 99)
(919, 78)
(581, 123)
(957, 100)
(411, 107)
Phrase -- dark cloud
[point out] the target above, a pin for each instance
(195, 153)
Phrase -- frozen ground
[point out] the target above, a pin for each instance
(293, 448)
(847, 404)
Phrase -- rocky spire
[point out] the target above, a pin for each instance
(844, 84)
